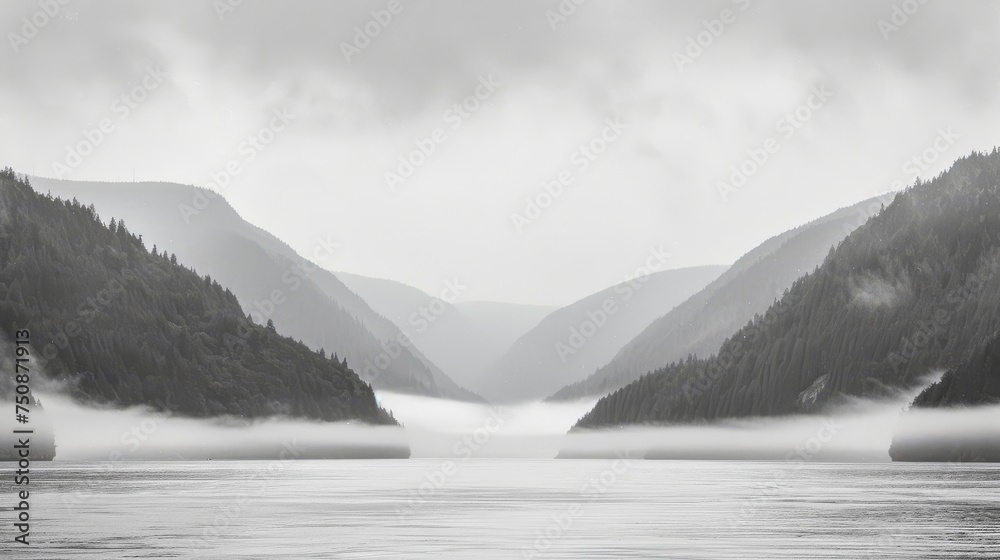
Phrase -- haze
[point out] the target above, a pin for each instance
(671, 131)
(456, 432)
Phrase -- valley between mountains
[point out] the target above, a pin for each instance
(135, 303)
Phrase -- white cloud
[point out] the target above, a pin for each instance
(656, 186)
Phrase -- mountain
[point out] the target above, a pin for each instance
(700, 325)
(974, 383)
(913, 290)
(461, 338)
(502, 322)
(116, 324)
(270, 280)
(573, 341)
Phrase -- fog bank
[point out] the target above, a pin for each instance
(438, 428)
(86, 433)
(861, 431)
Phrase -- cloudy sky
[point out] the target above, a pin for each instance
(633, 113)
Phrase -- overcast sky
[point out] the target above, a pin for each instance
(880, 93)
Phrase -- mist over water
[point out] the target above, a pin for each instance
(858, 436)
(439, 428)
(86, 433)
(858, 431)
(451, 429)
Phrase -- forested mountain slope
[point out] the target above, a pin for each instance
(915, 289)
(121, 325)
(700, 325)
(271, 281)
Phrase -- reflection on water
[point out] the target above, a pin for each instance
(508, 509)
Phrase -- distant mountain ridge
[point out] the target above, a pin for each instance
(699, 325)
(270, 280)
(462, 338)
(573, 341)
(912, 291)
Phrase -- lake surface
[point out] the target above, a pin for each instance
(507, 509)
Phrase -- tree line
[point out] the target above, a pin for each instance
(915, 289)
(121, 324)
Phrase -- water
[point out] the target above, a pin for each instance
(505, 508)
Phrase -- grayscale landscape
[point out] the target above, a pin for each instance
(500, 279)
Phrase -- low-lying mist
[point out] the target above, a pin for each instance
(438, 428)
(85, 433)
(860, 431)
(443, 428)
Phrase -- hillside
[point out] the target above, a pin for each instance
(573, 341)
(913, 290)
(974, 383)
(461, 338)
(117, 324)
(700, 325)
(270, 280)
